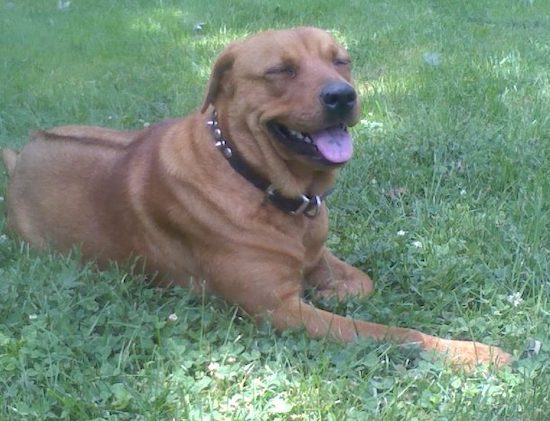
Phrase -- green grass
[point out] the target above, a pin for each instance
(446, 205)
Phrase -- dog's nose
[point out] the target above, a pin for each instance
(338, 98)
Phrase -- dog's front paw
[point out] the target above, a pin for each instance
(469, 354)
(342, 289)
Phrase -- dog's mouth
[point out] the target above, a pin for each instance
(331, 146)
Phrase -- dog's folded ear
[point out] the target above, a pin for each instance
(223, 64)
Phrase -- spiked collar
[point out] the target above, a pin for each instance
(309, 206)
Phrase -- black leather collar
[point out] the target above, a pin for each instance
(309, 206)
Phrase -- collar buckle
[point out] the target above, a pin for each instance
(310, 206)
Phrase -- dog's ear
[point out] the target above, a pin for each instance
(223, 64)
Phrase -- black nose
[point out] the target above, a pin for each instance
(338, 98)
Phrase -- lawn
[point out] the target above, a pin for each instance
(446, 204)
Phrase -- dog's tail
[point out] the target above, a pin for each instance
(9, 156)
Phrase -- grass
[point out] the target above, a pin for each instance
(446, 205)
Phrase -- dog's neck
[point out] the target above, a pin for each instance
(305, 203)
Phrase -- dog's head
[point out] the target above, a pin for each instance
(292, 87)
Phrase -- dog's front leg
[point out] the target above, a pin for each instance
(268, 286)
(332, 277)
(294, 312)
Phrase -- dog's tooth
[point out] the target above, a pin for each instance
(295, 134)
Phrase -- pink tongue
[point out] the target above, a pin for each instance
(334, 144)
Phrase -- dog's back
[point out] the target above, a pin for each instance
(96, 136)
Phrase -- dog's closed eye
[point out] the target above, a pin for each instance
(282, 70)
(339, 61)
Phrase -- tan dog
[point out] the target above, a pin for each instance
(230, 200)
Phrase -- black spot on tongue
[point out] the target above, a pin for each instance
(334, 143)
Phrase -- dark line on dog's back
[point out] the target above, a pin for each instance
(116, 141)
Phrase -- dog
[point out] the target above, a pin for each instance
(229, 198)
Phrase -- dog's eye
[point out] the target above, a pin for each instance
(341, 61)
(284, 70)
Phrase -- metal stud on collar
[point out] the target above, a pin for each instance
(226, 150)
(220, 141)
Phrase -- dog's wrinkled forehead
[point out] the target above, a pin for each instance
(287, 45)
